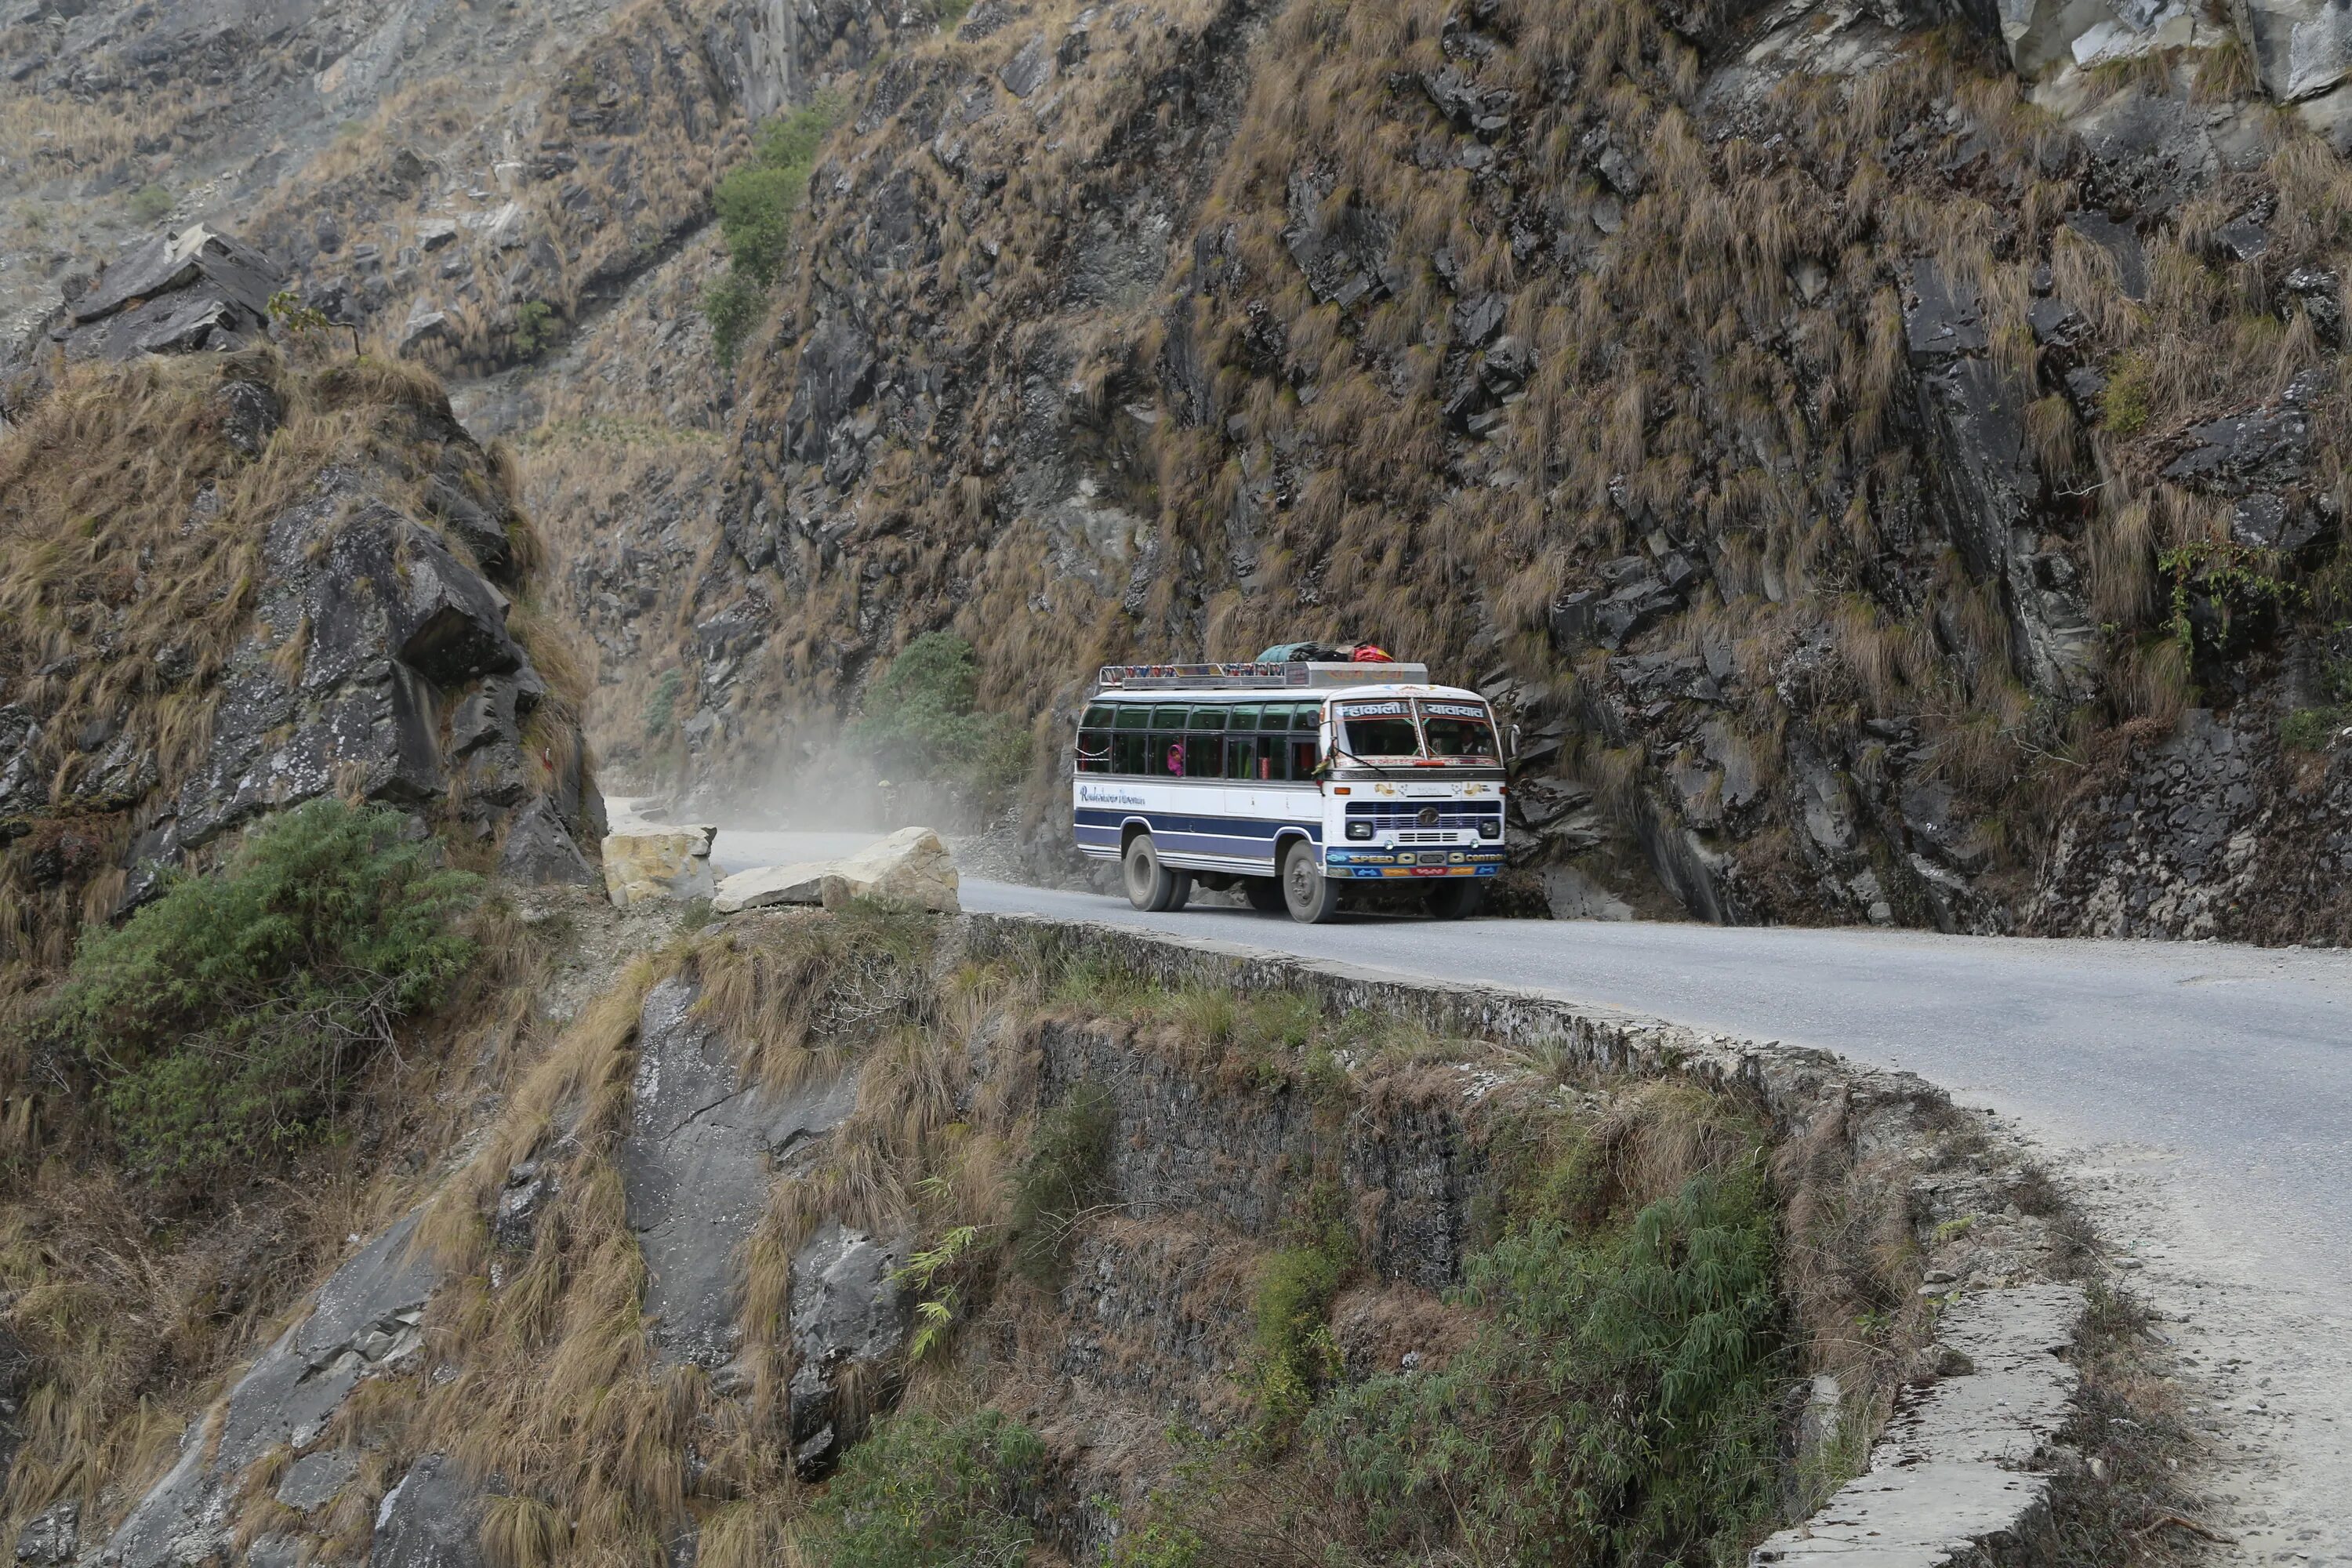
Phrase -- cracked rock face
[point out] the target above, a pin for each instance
(849, 1319)
(362, 1322)
(701, 1152)
(431, 1519)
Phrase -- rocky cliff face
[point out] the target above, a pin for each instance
(239, 585)
(1849, 444)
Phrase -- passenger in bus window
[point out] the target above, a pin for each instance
(1175, 768)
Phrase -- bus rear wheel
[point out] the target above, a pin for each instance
(1150, 886)
(1311, 897)
(1456, 898)
(1265, 894)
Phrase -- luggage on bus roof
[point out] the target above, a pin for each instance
(1325, 653)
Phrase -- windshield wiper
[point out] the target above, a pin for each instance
(1339, 751)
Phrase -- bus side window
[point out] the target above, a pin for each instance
(1094, 751)
(1166, 759)
(1204, 756)
(1305, 742)
(1130, 751)
(1242, 757)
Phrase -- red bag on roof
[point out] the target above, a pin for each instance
(1367, 653)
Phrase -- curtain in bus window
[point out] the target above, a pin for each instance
(1130, 751)
(1094, 751)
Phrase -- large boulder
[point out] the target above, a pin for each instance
(642, 864)
(913, 865)
(774, 887)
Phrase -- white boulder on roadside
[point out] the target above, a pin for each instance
(913, 865)
(766, 887)
(643, 863)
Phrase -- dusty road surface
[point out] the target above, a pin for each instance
(2200, 1096)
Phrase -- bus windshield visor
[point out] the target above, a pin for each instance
(1370, 730)
(1459, 731)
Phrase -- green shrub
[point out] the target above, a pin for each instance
(920, 718)
(921, 1492)
(1615, 1405)
(756, 204)
(224, 1022)
(2129, 400)
(1294, 1355)
(1063, 1177)
(661, 708)
(2310, 729)
(734, 305)
(535, 326)
(151, 203)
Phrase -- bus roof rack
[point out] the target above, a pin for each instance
(1309, 675)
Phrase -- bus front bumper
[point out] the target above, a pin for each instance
(1383, 865)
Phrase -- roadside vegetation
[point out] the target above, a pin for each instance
(921, 719)
(757, 203)
(226, 1023)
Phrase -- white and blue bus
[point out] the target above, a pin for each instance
(1290, 780)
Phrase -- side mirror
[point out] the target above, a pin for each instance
(1511, 751)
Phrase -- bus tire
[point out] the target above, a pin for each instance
(1311, 897)
(1265, 894)
(1150, 886)
(1456, 899)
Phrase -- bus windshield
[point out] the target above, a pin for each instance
(1424, 731)
(1459, 731)
(1370, 730)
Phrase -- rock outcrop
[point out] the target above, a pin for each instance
(323, 604)
(182, 292)
(363, 1323)
(701, 1152)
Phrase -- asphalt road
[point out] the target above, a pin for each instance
(2236, 1061)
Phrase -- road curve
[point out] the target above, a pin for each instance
(2237, 1060)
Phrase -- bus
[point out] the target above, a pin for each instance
(1290, 780)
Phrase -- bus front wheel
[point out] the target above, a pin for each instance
(1150, 886)
(1311, 897)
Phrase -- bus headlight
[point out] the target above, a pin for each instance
(1360, 830)
(1490, 828)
